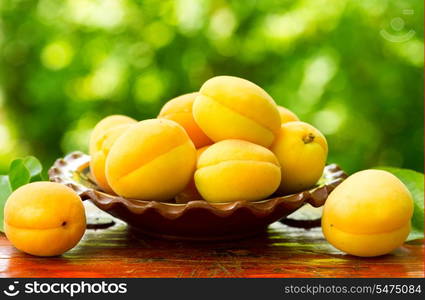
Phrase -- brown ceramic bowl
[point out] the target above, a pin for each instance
(195, 220)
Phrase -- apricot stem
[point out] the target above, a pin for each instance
(308, 138)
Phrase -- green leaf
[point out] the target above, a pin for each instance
(5, 191)
(33, 165)
(21, 171)
(414, 181)
(18, 174)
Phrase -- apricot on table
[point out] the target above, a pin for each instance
(302, 152)
(102, 138)
(286, 115)
(44, 218)
(233, 170)
(234, 108)
(368, 214)
(179, 110)
(152, 160)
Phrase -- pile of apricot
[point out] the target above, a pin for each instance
(227, 142)
(230, 141)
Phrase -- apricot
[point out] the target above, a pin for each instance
(302, 152)
(98, 158)
(44, 218)
(102, 138)
(234, 108)
(368, 214)
(233, 170)
(286, 115)
(179, 110)
(152, 160)
(104, 125)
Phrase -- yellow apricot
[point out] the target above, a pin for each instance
(179, 110)
(102, 137)
(234, 108)
(368, 214)
(286, 115)
(302, 152)
(98, 158)
(44, 218)
(152, 160)
(104, 125)
(233, 170)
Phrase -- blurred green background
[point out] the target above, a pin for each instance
(354, 69)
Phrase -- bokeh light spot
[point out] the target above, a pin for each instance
(317, 73)
(78, 134)
(149, 87)
(57, 55)
(159, 34)
(222, 24)
(102, 83)
(6, 141)
(190, 15)
(96, 13)
(329, 120)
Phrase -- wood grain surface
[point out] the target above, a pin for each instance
(281, 252)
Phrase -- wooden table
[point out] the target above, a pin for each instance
(282, 252)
